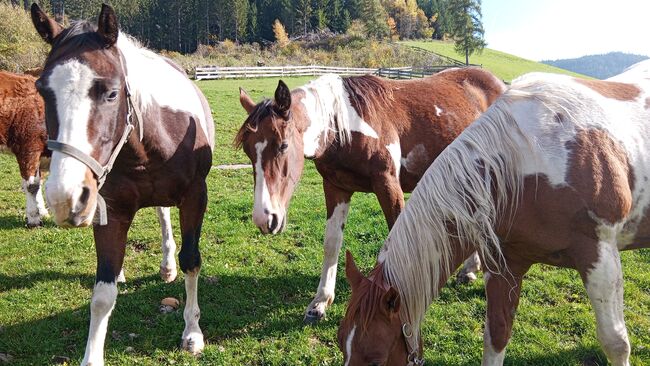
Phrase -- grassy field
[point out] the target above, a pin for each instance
(254, 288)
(504, 65)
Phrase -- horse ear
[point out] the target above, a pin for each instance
(352, 273)
(246, 101)
(107, 26)
(46, 27)
(282, 98)
(392, 300)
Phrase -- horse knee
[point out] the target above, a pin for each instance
(103, 300)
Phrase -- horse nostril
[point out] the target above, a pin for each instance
(273, 224)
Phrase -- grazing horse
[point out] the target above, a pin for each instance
(22, 130)
(554, 172)
(365, 134)
(98, 85)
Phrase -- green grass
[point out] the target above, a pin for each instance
(253, 288)
(504, 65)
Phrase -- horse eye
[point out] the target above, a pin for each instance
(283, 147)
(111, 96)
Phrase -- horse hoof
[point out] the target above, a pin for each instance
(168, 274)
(466, 278)
(194, 344)
(33, 225)
(313, 317)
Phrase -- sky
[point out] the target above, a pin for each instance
(556, 29)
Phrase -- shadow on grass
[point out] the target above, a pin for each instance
(585, 356)
(10, 222)
(232, 306)
(19, 282)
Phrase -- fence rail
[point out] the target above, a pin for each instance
(216, 72)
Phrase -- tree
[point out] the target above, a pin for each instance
(281, 37)
(303, 11)
(375, 18)
(466, 26)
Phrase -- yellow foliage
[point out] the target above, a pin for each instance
(281, 37)
(20, 45)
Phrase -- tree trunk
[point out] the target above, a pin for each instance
(467, 56)
(26, 4)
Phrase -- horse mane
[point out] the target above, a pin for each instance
(261, 111)
(80, 35)
(368, 94)
(471, 185)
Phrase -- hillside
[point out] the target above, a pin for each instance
(599, 66)
(504, 65)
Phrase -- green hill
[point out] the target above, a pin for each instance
(504, 65)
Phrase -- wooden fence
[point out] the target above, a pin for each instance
(216, 72)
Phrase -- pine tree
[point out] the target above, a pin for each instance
(467, 27)
(375, 19)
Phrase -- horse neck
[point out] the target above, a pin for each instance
(138, 75)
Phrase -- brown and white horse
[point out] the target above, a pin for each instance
(94, 81)
(365, 134)
(554, 172)
(22, 131)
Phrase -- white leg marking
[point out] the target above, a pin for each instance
(470, 267)
(490, 356)
(604, 284)
(192, 335)
(121, 278)
(332, 245)
(348, 345)
(396, 154)
(101, 306)
(168, 269)
(35, 205)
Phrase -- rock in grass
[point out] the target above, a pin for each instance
(6, 358)
(60, 360)
(169, 304)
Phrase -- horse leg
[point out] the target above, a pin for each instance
(110, 243)
(603, 281)
(168, 265)
(472, 265)
(28, 163)
(192, 210)
(338, 204)
(502, 291)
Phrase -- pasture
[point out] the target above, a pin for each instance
(253, 288)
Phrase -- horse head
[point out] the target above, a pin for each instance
(84, 87)
(272, 139)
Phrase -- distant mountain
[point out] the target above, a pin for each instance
(598, 66)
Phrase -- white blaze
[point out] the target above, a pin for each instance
(70, 83)
(348, 345)
(262, 206)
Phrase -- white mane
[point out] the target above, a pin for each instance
(331, 106)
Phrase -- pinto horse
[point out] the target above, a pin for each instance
(22, 130)
(554, 172)
(98, 85)
(365, 134)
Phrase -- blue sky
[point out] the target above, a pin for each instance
(553, 29)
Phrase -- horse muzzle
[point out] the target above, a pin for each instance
(271, 222)
(72, 206)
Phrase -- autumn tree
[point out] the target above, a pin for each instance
(281, 37)
(466, 26)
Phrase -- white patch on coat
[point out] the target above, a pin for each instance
(438, 111)
(101, 306)
(152, 78)
(490, 356)
(328, 107)
(332, 247)
(414, 158)
(604, 285)
(395, 152)
(70, 82)
(168, 269)
(348, 345)
(35, 205)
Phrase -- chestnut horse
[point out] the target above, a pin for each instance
(554, 172)
(365, 134)
(22, 130)
(98, 85)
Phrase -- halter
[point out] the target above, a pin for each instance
(101, 172)
(413, 359)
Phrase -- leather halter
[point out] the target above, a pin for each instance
(413, 358)
(101, 172)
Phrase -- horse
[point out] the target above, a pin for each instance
(22, 131)
(364, 134)
(554, 172)
(128, 130)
